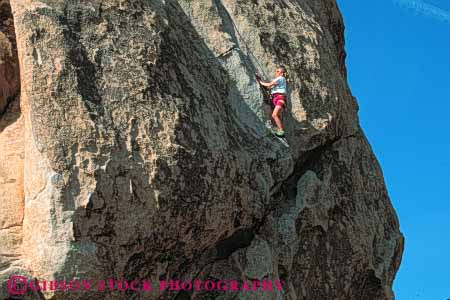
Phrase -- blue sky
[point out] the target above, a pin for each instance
(398, 60)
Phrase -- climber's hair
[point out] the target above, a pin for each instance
(285, 73)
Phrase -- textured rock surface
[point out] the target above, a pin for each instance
(11, 149)
(146, 154)
(9, 69)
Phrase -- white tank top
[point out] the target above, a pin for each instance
(280, 85)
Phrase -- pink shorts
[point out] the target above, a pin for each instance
(279, 99)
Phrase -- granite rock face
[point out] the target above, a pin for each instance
(139, 151)
(9, 68)
(11, 149)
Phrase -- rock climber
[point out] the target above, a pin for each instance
(278, 88)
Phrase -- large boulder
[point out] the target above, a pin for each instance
(144, 154)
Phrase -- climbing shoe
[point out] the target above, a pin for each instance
(279, 133)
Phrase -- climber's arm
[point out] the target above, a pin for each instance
(267, 84)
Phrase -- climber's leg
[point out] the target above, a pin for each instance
(276, 116)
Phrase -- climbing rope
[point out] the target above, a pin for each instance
(248, 51)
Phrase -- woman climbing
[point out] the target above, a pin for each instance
(278, 90)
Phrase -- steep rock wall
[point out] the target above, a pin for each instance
(11, 149)
(146, 154)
